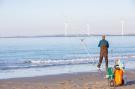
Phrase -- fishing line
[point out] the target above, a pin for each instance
(88, 53)
(86, 49)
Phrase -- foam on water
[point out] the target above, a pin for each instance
(55, 62)
(54, 70)
(23, 57)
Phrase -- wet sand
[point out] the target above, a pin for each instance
(89, 80)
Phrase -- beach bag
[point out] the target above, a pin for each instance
(118, 73)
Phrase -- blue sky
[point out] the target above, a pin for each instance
(46, 17)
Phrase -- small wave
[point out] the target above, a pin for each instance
(31, 63)
(74, 61)
(60, 62)
(87, 60)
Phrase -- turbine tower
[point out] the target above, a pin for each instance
(66, 28)
(88, 29)
(122, 28)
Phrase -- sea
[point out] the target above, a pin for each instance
(38, 56)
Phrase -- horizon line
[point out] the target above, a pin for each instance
(62, 35)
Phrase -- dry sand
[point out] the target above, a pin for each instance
(66, 81)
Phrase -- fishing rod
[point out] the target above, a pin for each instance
(88, 53)
(86, 49)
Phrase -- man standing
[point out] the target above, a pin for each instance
(104, 45)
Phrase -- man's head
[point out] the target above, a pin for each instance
(103, 37)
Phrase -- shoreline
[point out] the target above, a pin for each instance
(83, 80)
(63, 74)
(53, 75)
(54, 71)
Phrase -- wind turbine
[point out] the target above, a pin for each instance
(88, 29)
(67, 23)
(122, 34)
(122, 28)
(66, 28)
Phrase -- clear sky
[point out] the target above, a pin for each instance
(46, 17)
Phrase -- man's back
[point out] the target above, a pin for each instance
(103, 42)
(104, 45)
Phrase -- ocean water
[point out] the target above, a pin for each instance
(28, 57)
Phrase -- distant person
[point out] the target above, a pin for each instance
(104, 45)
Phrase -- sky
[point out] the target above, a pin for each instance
(48, 17)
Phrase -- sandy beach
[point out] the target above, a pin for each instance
(67, 44)
(88, 80)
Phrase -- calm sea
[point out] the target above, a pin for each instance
(26, 57)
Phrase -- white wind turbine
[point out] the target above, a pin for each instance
(67, 23)
(122, 28)
(66, 29)
(88, 29)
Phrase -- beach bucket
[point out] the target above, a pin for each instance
(110, 73)
(118, 73)
(110, 76)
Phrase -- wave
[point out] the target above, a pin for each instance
(90, 60)
(31, 63)
(60, 62)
